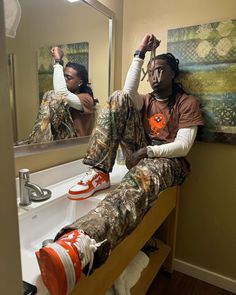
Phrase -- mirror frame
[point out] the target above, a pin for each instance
(32, 149)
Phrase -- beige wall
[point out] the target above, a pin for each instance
(45, 24)
(206, 234)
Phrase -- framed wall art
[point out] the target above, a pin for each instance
(207, 55)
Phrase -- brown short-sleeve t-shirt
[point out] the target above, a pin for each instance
(161, 124)
(84, 121)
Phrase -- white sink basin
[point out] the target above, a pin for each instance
(42, 221)
(45, 221)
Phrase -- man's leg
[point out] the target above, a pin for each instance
(118, 123)
(53, 120)
(123, 209)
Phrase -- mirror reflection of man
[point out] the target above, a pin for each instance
(68, 110)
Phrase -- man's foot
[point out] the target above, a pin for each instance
(91, 182)
(62, 261)
(60, 266)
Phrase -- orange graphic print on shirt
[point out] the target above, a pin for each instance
(156, 122)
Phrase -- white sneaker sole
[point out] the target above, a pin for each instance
(89, 194)
(68, 265)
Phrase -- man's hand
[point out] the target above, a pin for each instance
(148, 43)
(57, 53)
(136, 157)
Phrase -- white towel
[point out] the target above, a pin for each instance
(12, 12)
(130, 276)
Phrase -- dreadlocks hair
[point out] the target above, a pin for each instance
(174, 65)
(83, 74)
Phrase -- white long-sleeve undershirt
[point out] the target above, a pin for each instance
(185, 136)
(178, 148)
(132, 82)
(59, 85)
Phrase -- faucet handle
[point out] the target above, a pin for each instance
(24, 174)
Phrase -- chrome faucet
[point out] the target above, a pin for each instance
(30, 191)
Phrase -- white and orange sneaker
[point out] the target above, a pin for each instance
(62, 261)
(60, 265)
(91, 182)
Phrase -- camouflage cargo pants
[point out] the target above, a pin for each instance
(54, 121)
(123, 208)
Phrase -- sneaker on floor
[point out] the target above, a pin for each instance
(91, 182)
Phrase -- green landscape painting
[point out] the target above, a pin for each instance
(75, 52)
(207, 55)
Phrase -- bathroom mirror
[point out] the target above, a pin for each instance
(50, 23)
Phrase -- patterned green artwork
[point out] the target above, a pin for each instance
(76, 52)
(207, 55)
